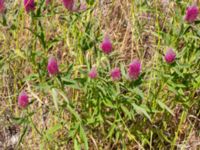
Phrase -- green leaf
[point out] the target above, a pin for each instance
(122, 68)
(22, 135)
(69, 108)
(55, 97)
(76, 145)
(140, 109)
(139, 92)
(69, 70)
(70, 83)
(126, 111)
(19, 53)
(111, 131)
(172, 89)
(178, 72)
(90, 2)
(84, 138)
(51, 131)
(73, 130)
(31, 77)
(102, 90)
(163, 106)
(108, 103)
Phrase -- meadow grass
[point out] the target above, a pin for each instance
(69, 110)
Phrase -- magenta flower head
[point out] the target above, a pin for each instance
(48, 2)
(52, 66)
(2, 6)
(29, 5)
(106, 45)
(69, 4)
(134, 69)
(115, 74)
(93, 73)
(170, 56)
(23, 99)
(191, 14)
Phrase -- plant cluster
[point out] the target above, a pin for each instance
(113, 102)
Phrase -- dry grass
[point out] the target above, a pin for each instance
(133, 31)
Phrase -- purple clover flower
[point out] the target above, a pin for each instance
(52, 66)
(29, 5)
(134, 69)
(69, 4)
(106, 45)
(2, 6)
(191, 14)
(170, 56)
(115, 74)
(93, 73)
(48, 2)
(23, 99)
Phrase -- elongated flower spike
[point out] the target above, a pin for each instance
(69, 4)
(52, 66)
(134, 69)
(191, 14)
(115, 74)
(93, 73)
(170, 56)
(106, 45)
(2, 6)
(23, 99)
(29, 5)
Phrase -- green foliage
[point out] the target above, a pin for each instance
(143, 112)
